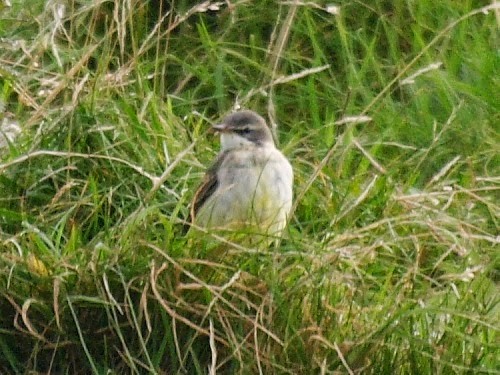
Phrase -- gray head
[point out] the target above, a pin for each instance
(244, 128)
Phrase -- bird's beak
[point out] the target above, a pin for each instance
(219, 128)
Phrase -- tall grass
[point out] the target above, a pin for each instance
(388, 111)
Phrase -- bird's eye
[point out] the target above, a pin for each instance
(243, 131)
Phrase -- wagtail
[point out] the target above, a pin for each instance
(249, 186)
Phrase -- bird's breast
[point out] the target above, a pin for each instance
(255, 185)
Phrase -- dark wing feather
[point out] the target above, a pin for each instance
(208, 186)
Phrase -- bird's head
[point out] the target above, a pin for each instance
(244, 128)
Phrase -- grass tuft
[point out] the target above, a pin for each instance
(387, 111)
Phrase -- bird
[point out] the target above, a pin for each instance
(249, 185)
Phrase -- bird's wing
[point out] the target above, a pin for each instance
(208, 186)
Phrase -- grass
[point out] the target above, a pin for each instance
(388, 111)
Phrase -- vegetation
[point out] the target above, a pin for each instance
(389, 112)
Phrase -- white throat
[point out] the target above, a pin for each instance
(231, 141)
